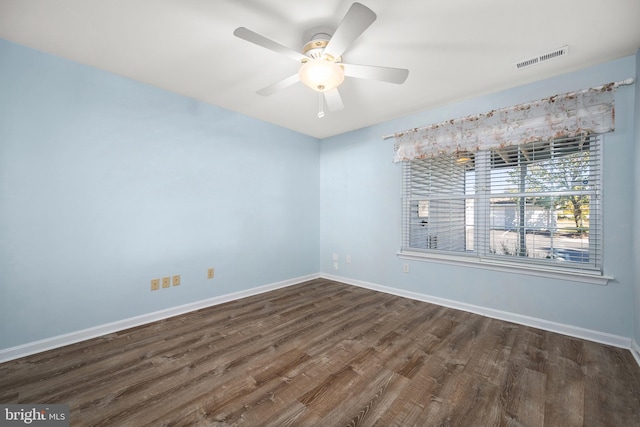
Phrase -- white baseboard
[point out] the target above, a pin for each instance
(635, 350)
(109, 328)
(120, 325)
(573, 331)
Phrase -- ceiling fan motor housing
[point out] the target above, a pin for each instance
(314, 48)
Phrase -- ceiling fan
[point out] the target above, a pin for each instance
(321, 67)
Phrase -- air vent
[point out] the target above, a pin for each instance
(542, 58)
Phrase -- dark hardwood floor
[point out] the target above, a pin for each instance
(329, 354)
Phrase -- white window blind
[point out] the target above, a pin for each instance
(535, 203)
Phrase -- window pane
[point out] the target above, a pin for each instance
(541, 228)
(535, 203)
(444, 227)
(543, 167)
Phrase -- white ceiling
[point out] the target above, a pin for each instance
(454, 49)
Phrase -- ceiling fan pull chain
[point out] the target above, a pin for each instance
(320, 105)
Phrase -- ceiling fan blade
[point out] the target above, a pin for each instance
(262, 41)
(357, 19)
(385, 74)
(282, 84)
(334, 101)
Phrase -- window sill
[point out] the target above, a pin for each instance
(574, 276)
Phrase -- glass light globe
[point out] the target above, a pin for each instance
(321, 75)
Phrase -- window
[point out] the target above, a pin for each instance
(537, 204)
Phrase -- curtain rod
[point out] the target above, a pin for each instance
(625, 82)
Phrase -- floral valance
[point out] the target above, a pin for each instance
(586, 111)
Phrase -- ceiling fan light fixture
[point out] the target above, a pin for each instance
(321, 75)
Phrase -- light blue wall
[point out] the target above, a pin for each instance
(360, 216)
(106, 183)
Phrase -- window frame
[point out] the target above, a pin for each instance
(481, 230)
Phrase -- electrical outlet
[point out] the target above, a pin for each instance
(335, 265)
(405, 267)
(210, 273)
(176, 280)
(166, 282)
(155, 284)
